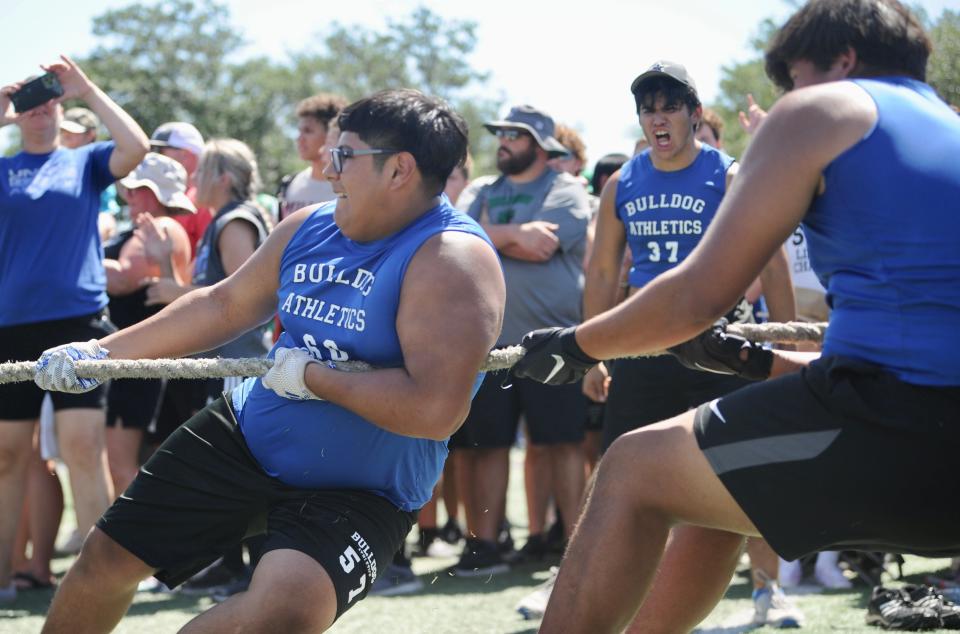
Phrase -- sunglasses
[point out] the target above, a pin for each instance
(341, 153)
(510, 134)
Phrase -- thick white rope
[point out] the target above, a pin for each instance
(500, 359)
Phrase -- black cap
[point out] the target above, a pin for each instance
(664, 68)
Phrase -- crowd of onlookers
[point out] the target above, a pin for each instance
(176, 211)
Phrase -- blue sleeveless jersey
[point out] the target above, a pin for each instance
(339, 298)
(884, 238)
(666, 213)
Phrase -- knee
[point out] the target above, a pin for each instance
(634, 466)
(277, 612)
(104, 561)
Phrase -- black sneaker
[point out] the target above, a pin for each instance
(927, 597)
(451, 532)
(892, 608)
(535, 549)
(480, 558)
(213, 579)
(504, 539)
(556, 542)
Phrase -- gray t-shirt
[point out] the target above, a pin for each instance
(305, 190)
(539, 294)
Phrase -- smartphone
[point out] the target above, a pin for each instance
(36, 92)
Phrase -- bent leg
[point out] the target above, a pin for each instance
(98, 588)
(648, 481)
(289, 592)
(697, 565)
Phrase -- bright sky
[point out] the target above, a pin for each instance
(576, 65)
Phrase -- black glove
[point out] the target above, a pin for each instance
(715, 350)
(553, 357)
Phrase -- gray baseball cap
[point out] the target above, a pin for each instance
(537, 123)
(664, 68)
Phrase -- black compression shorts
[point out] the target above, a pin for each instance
(840, 456)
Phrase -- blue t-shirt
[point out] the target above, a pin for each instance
(51, 260)
(666, 213)
(338, 299)
(884, 238)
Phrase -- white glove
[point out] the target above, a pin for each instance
(286, 377)
(56, 370)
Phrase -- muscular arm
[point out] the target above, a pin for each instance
(774, 279)
(450, 314)
(212, 315)
(768, 199)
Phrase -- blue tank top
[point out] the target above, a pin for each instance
(884, 238)
(666, 213)
(51, 260)
(339, 298)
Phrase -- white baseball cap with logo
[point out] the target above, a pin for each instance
(178, 134)
(166, 178)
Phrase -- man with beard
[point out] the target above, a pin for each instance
(537, 218)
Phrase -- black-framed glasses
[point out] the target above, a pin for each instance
(341, 153)
(510, 134)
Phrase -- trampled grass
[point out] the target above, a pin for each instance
(450, 605)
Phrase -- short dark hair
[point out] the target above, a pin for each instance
(605, 168)
(409, 121)
(713, 121)
(673, 92)
(888, 39)
(324, 107)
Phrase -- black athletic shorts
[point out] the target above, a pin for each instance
(203, 492)
(648, 390)
(554, 414)
(26, 342)
(133, 403)
(840, 456)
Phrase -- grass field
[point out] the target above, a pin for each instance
(454, 605)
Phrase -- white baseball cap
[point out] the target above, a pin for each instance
(178, 134)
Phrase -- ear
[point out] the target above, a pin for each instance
(846, 62)
(697, 116)
(402, 169)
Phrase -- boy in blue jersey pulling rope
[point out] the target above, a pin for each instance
(863, 153)
(331, 465)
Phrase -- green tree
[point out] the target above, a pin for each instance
(943, 69)
(171, 61)
(421, 51)
(739, 80)
(178, 60)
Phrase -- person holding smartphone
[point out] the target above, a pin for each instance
(52, 281)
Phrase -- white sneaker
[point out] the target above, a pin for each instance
(831, 577)
(534, 604)
(71, 545)
(772, 607)
(790, 574)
